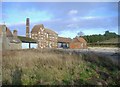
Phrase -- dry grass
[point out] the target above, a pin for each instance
(51, 67)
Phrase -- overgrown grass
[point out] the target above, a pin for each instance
(57, 67)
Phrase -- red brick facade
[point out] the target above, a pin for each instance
(78, 43)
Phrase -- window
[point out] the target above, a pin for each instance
(41, 29)
(35, 37)
(81, 44)
(41, 32)
(47, 35)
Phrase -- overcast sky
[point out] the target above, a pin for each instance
(66, 18)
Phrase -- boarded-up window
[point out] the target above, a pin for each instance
(25, 45)
(34, 45)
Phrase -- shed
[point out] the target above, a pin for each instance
(28, 42)
(78, 43)
(64, 42)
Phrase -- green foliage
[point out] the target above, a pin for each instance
(98, 38)
(38, 67)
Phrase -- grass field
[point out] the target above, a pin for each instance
(56, 67)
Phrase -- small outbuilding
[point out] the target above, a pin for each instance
(78, 43)
(28, 43)
(64, 42)
(9, 41)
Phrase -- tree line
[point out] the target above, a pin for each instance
(98, 38)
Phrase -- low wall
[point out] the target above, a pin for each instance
(15, 46)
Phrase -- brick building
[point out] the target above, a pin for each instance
(46, 37)
(78, 43)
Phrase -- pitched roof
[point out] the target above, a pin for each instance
(79, 39)
(14, 40)
(63, 39)
(8, 32)
(49, 31)
(26, 39)
(36, 28)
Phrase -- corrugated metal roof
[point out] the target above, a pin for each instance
(26, 39)
(63, 39)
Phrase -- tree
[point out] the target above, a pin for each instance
(80, 34)
(107, 33)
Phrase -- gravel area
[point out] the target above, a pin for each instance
(108, 52)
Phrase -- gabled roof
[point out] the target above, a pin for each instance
(49, 31)
(14, 40)
(36, 28)
(26, 39)
(79, 39)
(64, 39)
(8, 32)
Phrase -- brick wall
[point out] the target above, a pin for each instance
(78, 45)
(45, 39)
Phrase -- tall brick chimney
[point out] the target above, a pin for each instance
(27, 27)
(15, 33)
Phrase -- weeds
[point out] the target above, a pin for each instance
(56, 67)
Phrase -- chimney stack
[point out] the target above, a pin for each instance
(14, 33)
(4, 29)
(27, 27)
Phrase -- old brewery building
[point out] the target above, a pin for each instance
(46, 37)
(39, 37)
